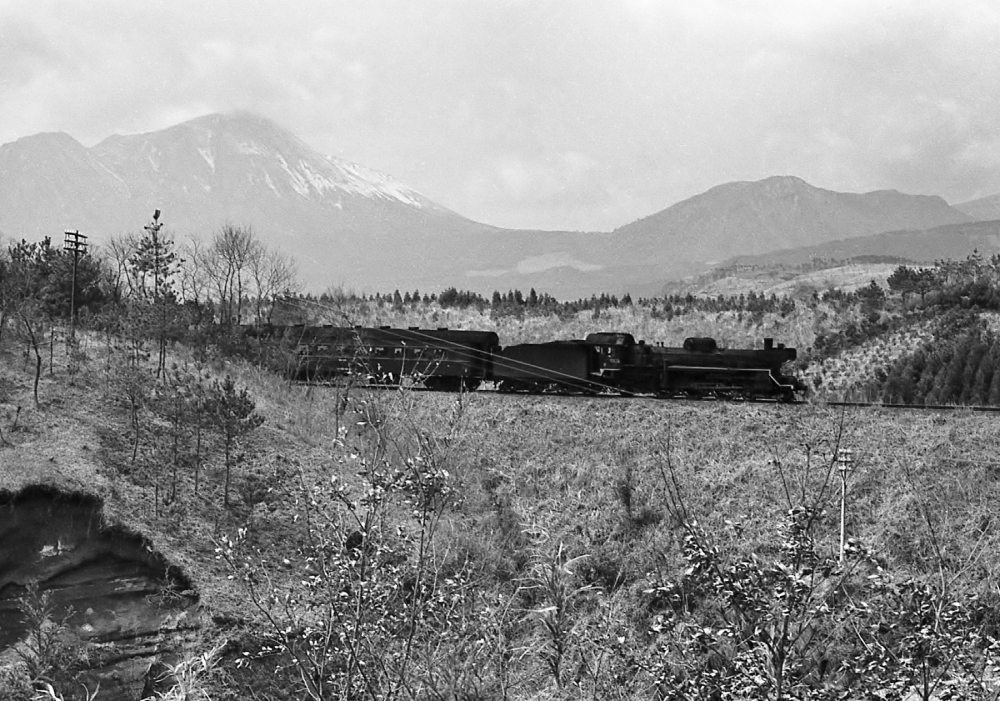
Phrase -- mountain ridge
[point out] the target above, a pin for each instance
(782, 212)
(982, 209)
(350, 225)
(950, 241)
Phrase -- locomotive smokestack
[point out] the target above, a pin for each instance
(768, 344)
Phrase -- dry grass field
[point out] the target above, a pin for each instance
(516, 547)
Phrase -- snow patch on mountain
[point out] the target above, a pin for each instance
(250, 148)
(208, 156)
(299, 184)
(269, 182)
(359, 180)
(332, 175)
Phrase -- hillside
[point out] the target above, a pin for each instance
(554, 526)
(798, 281)
(948, 242)
(982, 209)
(169, 505)
(844, 264)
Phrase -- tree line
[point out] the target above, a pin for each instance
(142, 286)
(973, 282)
(515, 303)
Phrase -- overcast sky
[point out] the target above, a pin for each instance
(560, 115)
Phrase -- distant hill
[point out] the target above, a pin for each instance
(844, 264)
(749, 218)
(765, 218)
(983, 209)
(349, 225)
(784, 280)
(955, 241)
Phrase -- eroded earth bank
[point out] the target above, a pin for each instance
(113, 605)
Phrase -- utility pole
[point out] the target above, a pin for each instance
(76, 243)
(845, 464)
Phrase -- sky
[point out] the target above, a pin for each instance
(541, 114)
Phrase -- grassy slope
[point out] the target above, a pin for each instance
(534, 473)
(563, 458)
(782, 281)
(77, 439)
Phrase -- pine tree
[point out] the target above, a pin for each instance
(234, 416)
(926, 383)
(154, 265)
(948, 383)
(993, 398)
(969, 371)
(982, 379)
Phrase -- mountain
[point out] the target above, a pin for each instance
(342, 222)
(349, 225)
(746, 218)
(983, 209)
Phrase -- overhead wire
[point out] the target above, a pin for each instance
(463, 351)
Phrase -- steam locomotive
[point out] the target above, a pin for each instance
(608, 362)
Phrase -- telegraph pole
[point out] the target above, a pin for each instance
(76, 243)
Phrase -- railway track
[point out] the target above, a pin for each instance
(920, 407)
(608, 395)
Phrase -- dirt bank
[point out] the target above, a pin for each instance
(124, 604)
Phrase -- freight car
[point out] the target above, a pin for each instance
(612, 362)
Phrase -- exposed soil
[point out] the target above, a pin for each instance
(123, 602)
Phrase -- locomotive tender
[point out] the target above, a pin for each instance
(609, 362)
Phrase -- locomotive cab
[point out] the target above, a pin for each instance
(612, 351)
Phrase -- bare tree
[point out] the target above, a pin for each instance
(121, 277)
(273, 274)
(24, 290)
(227, 264)
(193, 277)
(236, 269)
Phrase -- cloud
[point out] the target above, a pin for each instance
(558, 114)
(24, 52)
